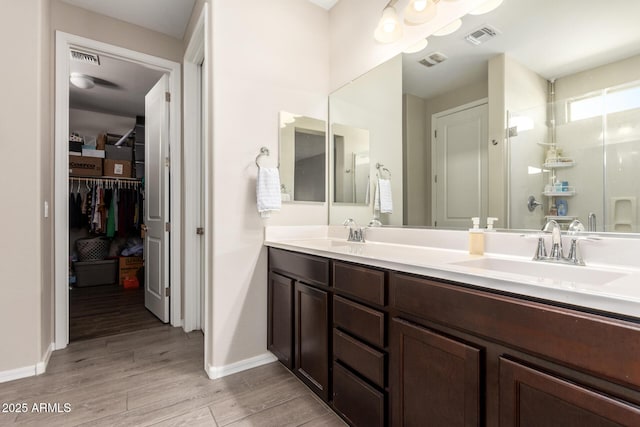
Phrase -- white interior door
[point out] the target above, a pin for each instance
(156, 203)
(460, 167)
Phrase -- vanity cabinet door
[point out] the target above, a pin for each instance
(435, 380)
(529, 397)
(280, 324)
(312, 338)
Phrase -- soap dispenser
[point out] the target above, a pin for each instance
(490, 221)
(476, 238)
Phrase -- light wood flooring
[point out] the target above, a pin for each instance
(156, 377)
(99, 311)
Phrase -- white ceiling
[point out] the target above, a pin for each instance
(553, 38)
(165, 16)
(325, 4)
(122, 91)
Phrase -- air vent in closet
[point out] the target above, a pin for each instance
(80, 56)
(434, 58)
(482, 34)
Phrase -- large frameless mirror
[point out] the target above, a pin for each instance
(302, 158)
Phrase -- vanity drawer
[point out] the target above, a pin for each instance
(361, 282)
(366, 360)
(359, 320)
(310, 269)
(357, 401)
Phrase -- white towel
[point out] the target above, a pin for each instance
(268, 191)
(382, 199)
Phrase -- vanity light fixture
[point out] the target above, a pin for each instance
(81, 81)
(486, 7)
(449, 28)
(419, 12)
(416, 47)
(389, 27)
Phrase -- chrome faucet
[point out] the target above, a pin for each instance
(557, 253)
(556, 239)
(591, 222)
(356, 233)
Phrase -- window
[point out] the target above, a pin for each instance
(609, 101)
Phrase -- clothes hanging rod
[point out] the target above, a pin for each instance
(105, 178)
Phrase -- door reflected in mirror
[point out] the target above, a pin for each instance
(351, 164)
(302, 158)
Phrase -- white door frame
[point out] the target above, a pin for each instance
(434, 120)
(196, 176)
(64, 42)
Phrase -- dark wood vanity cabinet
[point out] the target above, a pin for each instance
(312, 338)
(298, 324)
(436, 380)
(389, 348)
(466, 357)
(280, 312)
(359, 344)
(529, 396)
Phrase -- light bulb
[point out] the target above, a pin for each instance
(389, 29)
(419, 5)
(419, 12)
(388, 26)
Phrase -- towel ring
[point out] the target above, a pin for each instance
(382, 169)
(264, 151)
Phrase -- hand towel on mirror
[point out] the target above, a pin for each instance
(383, 200)
(268, 191)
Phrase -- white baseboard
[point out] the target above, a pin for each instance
(28, 371)
(41, 366)
(222, 371)
(16, 374)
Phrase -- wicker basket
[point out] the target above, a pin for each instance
(92, 248)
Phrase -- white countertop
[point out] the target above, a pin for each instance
(614, 289)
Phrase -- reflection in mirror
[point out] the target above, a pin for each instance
(302, 158)
(596, 153)
(366, 117)
(351, 164)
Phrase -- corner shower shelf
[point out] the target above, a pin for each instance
(570, 192)
(560, 163)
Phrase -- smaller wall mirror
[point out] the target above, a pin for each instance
(351, 164)
(302, 158)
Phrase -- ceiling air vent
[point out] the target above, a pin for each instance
(434, 58)
(79, 56)
(482, 34)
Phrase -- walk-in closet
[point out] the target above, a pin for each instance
(107, 196)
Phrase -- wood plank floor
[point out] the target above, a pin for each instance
(156, 377)
(100, 311)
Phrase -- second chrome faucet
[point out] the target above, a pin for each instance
(557, 253)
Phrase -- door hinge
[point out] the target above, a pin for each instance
(200, 231)
(435, 179)
(435, 223)
(435, 134)
(167, 226)
(167, 96)
(167, 292)
(167, 162)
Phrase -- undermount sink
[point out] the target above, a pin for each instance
(545, 272)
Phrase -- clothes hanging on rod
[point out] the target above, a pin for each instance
(110, 208)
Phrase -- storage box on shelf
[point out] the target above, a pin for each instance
(117, 168)
(119, 152)
(85, 166)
